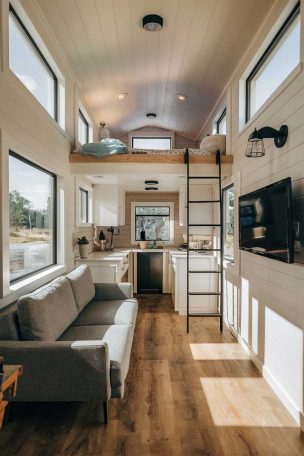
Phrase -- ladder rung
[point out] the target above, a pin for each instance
(205, 315)
(205, 272)
(204, 177)
(204, 201)
(205, 293)
(204, 250)
(204, 224)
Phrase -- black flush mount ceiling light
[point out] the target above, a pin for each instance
(152, 22)
(255, 146)
(151, 188)
(151, 182)
(151, 115)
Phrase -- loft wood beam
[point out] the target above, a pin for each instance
(143, 158)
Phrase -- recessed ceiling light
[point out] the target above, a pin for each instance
(181, 97)
(121, 96)
(152, 22)
(151, 182)
(151, 188)
(151, 115)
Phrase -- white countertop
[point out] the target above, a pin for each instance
(119, 254)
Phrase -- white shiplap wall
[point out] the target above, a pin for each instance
(269, 294)
(26, 128)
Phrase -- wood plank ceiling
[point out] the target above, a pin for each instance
(194, 54)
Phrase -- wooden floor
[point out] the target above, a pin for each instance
(194, 394)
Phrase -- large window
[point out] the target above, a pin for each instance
(83, 129)
(30, 66)
(154, 220)
(221, 124)
(277, 62)
(228, 219)
(160, 143)
(32, 217)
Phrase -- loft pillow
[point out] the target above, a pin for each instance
(82, 285)
(47, 312)
(104, 148)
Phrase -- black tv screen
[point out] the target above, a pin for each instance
(265, 221)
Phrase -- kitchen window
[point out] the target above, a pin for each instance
(154, 220)
(32, 218)
(30, 66)
(83, 128)
(158, 143)
(277, 62)
(221, 124)
(228, 219)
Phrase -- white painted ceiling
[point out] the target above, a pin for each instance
(194, 54)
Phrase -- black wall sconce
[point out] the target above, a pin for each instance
(255, 146)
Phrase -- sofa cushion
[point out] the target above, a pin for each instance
(47, 312)
(9, 326)
(82, 285)
(119, 339)
(108, 313)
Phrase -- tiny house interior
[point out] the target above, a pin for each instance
(151, 227)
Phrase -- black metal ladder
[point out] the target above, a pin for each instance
(219, 271)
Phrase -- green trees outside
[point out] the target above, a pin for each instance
(23, 216)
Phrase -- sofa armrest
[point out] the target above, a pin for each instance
(109, 291)
(60, 370)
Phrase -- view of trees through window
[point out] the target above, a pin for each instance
(31, 218)
(155, 220)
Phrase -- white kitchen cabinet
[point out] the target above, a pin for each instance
(197, 283)
(108, 205)
(107, 267)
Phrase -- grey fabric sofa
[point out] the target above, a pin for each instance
(73, 338)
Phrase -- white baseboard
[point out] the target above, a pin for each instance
(275, 386)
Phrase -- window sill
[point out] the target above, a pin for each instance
(295, 72)
(32, 283)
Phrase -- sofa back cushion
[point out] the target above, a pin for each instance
(47, 312)
(9, 326)
(82, 285)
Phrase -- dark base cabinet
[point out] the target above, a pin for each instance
(149, 272)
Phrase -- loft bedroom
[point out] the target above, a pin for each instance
(151, 227)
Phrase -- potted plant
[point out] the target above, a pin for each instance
(83, 245)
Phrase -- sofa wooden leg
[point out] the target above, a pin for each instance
(105, 412)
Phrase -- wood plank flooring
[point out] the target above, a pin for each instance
(195, 394)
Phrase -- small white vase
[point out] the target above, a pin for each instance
(143, 244)
(83, 250)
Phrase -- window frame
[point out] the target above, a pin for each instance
(43, 59)
(143, 215)
(151, 137)
(219, 120)
(87, 125)
(81, 189)
(224, 190)
(54, 224)
(266, 54)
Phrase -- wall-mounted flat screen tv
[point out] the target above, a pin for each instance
(265, 221)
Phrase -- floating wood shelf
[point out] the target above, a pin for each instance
(146, 158)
